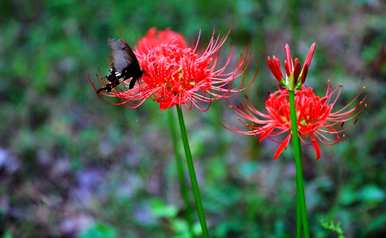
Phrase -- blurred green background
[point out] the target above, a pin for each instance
(72, 165)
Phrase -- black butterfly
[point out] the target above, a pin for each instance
(124, 66)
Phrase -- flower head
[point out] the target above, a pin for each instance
(316, 119)
(295, 75)
(175, 74)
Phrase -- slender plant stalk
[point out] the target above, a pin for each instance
(301, 200)
(180, 173)
(298, 214)
(192, 174)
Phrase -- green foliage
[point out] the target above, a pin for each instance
(370, 194)
(161, 210)
(7, 235)
(178, 225)
(334, 227)
(99, 231)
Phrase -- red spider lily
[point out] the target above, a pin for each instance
(175, 74)
(316, 119)
(295, 74)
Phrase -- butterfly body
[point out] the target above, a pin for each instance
(124, 66)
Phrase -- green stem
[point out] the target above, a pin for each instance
(180, 173)
(301, 200)
(192, 174)
(298, 214)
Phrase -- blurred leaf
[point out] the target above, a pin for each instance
(99, 231)
(160, 209)
(248, 168)
(347, 196)
(335, 227)
(7, 235)
(376, 223)
(372, 193)
(368, 194)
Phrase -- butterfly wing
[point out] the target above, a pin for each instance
(125, 61)
(121, 58)
(133, 59)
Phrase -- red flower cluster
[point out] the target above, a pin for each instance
(316, 119)
(175, 74)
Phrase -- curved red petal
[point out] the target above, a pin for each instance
(274, 66)
(281, 147)
(315, 144)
